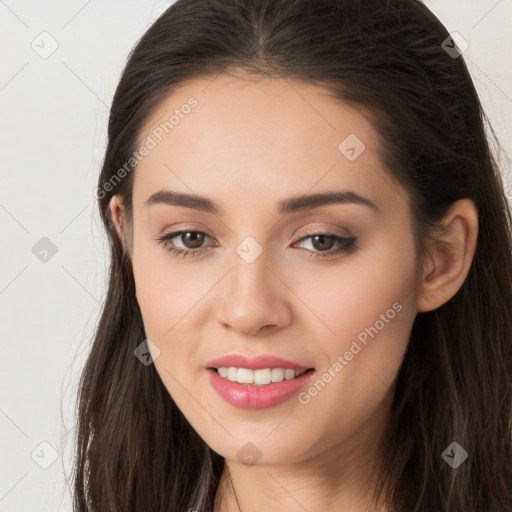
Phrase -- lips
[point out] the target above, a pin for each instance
(255, 363)
(248, 396)
(251, 396)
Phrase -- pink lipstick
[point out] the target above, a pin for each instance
(259, 382)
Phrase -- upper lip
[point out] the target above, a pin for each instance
(255, 363)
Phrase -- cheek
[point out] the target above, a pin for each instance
(369, 311)
(171, 296)
(352, 294)
(367, 326)
(168, 300)
(166, 292)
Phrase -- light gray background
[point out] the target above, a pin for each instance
(53, 114)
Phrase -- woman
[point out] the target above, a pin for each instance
(310, 283)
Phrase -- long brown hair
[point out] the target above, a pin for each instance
(135, 451)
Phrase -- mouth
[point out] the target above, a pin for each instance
(255, 389)
(259, 377)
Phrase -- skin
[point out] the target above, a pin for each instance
(250, 143)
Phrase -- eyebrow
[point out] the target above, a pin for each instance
(284, 207)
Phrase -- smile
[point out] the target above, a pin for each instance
(254, 395)
(260, 377)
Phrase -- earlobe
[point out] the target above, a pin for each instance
(451, 256)
(117, 216)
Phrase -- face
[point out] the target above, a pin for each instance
(263, 271)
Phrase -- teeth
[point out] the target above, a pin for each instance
(258, 377)
(277, 374)
(289, 374)
(245, 376)
(261, 376)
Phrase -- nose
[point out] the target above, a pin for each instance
(255, 298)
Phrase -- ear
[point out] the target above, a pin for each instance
(450, 256)
(118, 217)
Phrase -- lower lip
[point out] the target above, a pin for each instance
(250, 396)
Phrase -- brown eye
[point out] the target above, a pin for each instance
(192, 243)
(192, 239)
(322, 242)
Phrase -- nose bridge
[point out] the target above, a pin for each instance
(252, 253)
(254, 296)
(250, 278)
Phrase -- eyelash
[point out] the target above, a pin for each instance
(348, 245)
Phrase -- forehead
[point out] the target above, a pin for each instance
(255, 110)
(258, 136)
